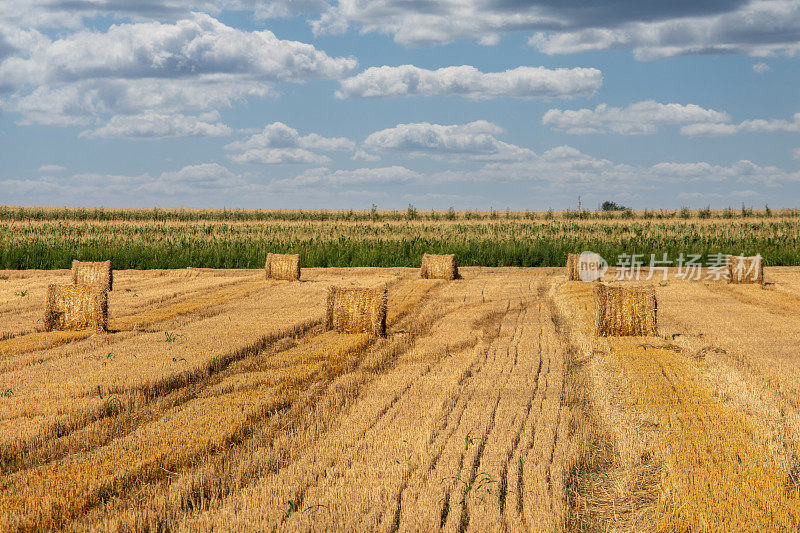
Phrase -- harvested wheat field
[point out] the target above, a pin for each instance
(221, 400)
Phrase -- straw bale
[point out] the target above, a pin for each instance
(745, 269)
(572, 268)
(283, 266)
(626, 311)
(76, 307)
(98, 273)
(439, 267)
(357, 310)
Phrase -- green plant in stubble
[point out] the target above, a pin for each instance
(21, 293)
(409, 453)
(171, 337)
(469, 439)
(294, 507)
(477, 488)
(8, 393)
(104, 359)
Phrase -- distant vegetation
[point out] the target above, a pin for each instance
(49, 238)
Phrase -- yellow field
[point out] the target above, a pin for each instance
(217, 401)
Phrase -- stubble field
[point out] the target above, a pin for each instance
(218, 401)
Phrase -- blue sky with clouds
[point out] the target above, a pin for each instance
(469, 103)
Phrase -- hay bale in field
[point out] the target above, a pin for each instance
(572, 267)
(626, 312)
(743, 269)
(439, 267)
(74, 307)
(97, 273)
(586, 266)
(357, 310)
(283, 266)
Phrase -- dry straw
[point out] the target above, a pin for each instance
(745, 269)
(572, 268)
(283, 266)
(74, 307)
(626, 312)
(357, 310)
(439, 267)
(97, 273)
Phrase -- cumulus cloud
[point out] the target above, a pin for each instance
(278, 143)
(325, 177)
(195, 64)
(469, 82)
(474, 140)
(150, 125)
(190, 47)
(72, 14)
(635, 119)
(760, 28)
(748, 126)
(51, 169)
(761, 68)
(198, 182)
(565, 168)
(651, 29)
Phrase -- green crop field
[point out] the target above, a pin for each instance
(49, 238)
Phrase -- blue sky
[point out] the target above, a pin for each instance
(469, 103)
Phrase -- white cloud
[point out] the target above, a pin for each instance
(469, 82)
(361, 155)
(189, 47)
(195, 64)
(638, 118)
(194, 182)
(51, 169)
(89, 102)
(73, 14)
(651, 29)
(325, 177)
(278, 143)
(761, 68)
(748, 126)
(474, 140)
(150, 125)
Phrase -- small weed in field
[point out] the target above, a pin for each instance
(104, 359)
(409, 453)
(176, 359)
(8, 393)
(21, 293)
(4, 277)
(469, 439)
(294, 507)
(476, 489)
(171, 337)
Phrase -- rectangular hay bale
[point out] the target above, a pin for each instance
(97, 273)
(76, 307)
(357, 310)
(626, 311)
(741, 269)
(439, 267)
(283, 266)
(572, 268)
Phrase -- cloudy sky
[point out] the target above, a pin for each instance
(464, 103)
